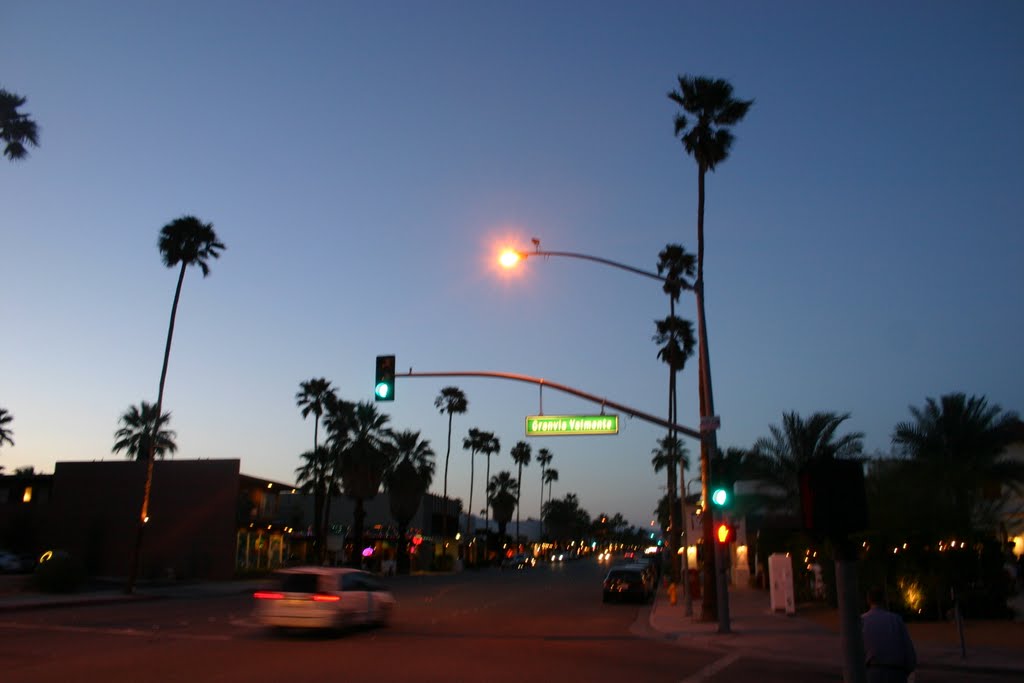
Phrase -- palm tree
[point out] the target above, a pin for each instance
(799, 442)
(138, 424)
(502, 495)
(189, 242)
(337, 419)
(544, 458)
(5, 432)
(16, 129)
(491, 446)
(474, 442)
(708, 141)
(406, 482)
(313, 397)
(521, 456)
(453, 401)
(551, 475)
(670, 455)
(316, 475)
(958, 446)
(364, 461)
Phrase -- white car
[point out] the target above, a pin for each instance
(323, 597)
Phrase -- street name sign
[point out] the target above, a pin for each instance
(571, 425)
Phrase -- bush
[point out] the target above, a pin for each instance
(59, 573)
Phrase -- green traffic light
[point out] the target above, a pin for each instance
(720, 497)
(383, 390)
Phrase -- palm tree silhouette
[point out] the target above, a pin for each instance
(474, 442)
(959, 445)
(491, 446)
(314, 396)
(708, 140)
(16, 129)
(189, 242)
(5, 432)
(502, 494)
(521, 456)
(137, 428)
(453, 401)
(316, 475)
(406, 482)
(363, 461)
(550, 475)
(799, 442)
(544, 458)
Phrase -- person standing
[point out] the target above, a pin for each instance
(890, 654)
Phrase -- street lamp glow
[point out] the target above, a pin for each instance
(509, 258)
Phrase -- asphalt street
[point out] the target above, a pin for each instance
(542, 624)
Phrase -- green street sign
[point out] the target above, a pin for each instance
(571, 425)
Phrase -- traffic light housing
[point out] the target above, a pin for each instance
(724, 533)
(384, 388)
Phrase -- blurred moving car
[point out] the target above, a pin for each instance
(520, 561)
(323, 597)
(626, 582)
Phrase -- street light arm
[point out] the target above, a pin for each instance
(595, 259)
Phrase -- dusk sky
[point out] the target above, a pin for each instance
(364, 163)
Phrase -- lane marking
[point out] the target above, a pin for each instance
(711, 669)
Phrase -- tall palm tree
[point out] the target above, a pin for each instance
(958, 446)
(491, 446)
(364, 461)
(407, 481)
(502, 495)
(453, 401)
(708, 140)
(544, 458)
(550, 475)
(5, 432)
(521, 456)
(799, 442)
(185, 241)
(474, 442)
(313, 397)
(16, 129)
(138, 424)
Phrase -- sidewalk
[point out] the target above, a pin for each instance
(812, 635)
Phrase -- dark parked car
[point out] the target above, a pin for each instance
(626, 583)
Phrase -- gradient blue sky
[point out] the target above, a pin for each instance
(363, 162)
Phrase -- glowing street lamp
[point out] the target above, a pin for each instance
(510, 257)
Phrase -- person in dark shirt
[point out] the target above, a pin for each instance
(890, 655)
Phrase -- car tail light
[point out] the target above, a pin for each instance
(324, 597)
(267, 595)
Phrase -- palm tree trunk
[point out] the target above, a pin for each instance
(673, 520)
(487, 511)
(444, 516)
(541, 503)
(518, 492)
(469, 512)
(709, 442)
(151, 455)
